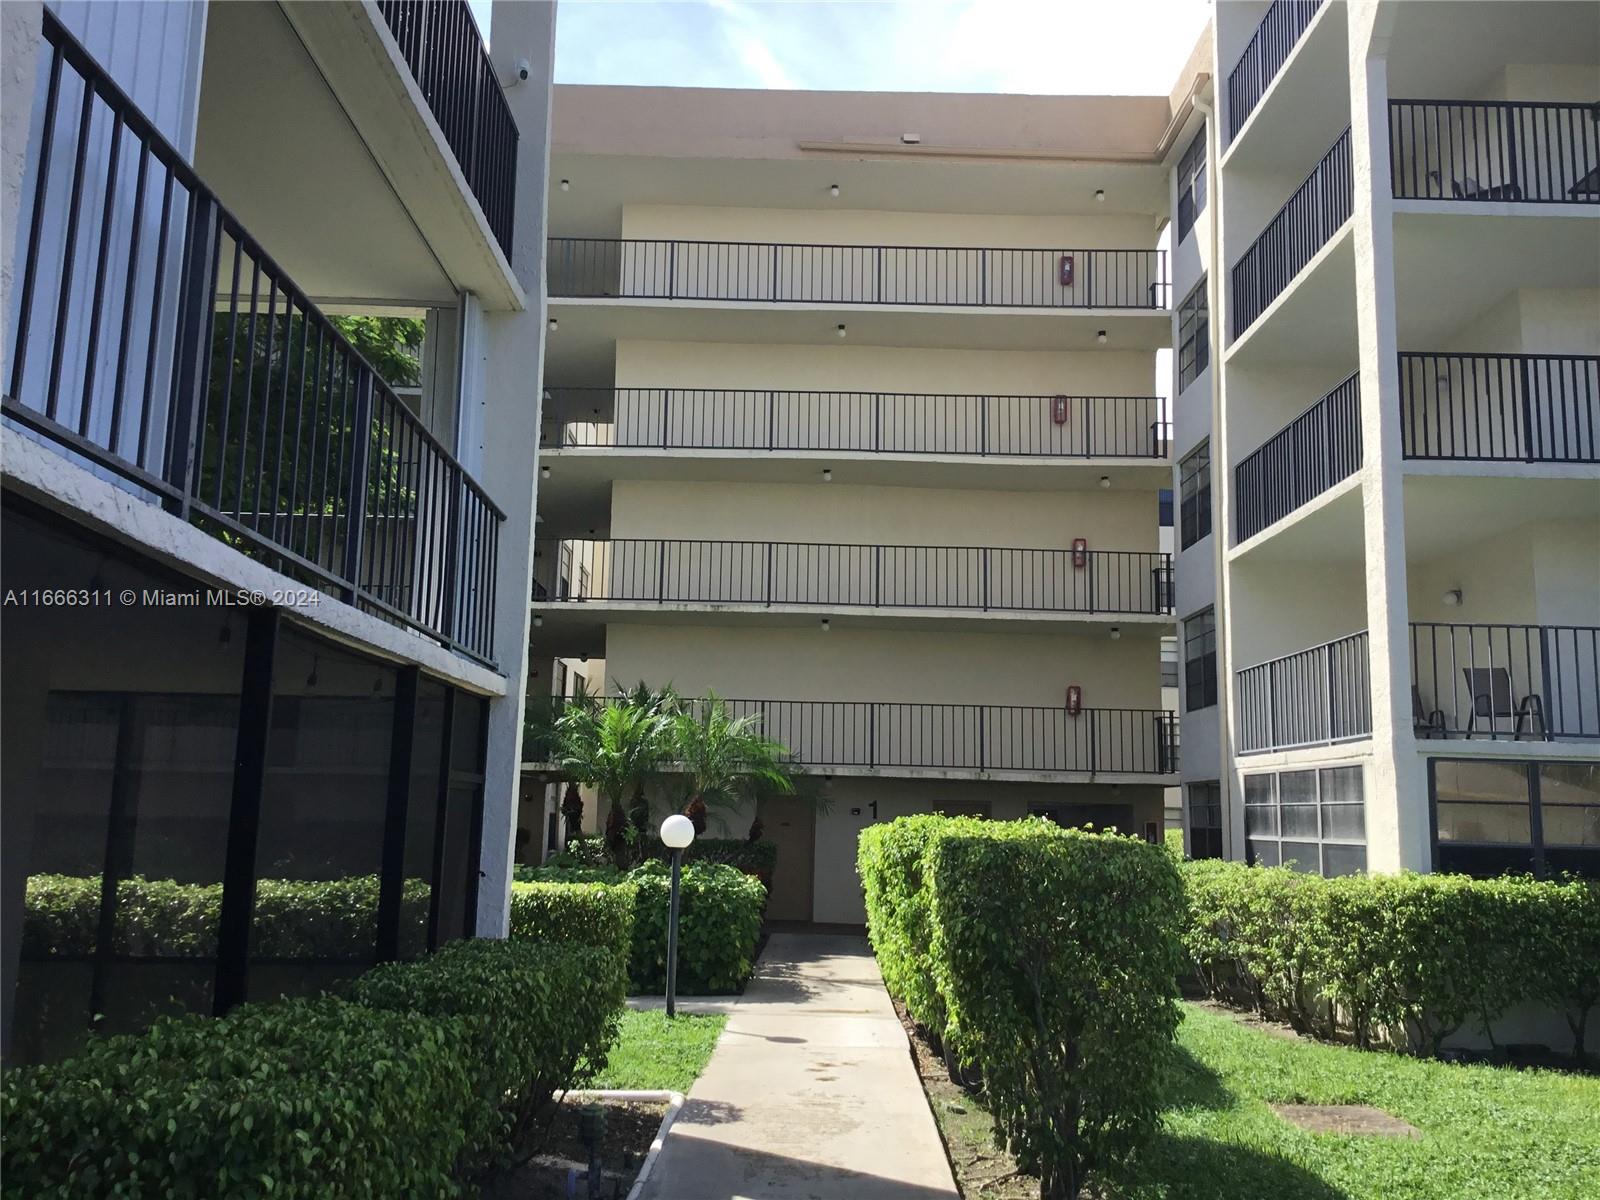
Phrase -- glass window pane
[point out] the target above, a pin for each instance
(1462, 779)
(1503, 823)
(1302, 856)
(1347, 821)
(1571, 824)
(1300, 820)
(1343, 860)
(1341, 785)
(1569, 783)
(1258, 789)
(1263, 853)
(1297, 787)
(1260, 818)
(323, 809)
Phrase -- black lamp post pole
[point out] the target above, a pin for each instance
(672, 937)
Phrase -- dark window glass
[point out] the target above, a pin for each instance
(1299, 820)
(323, 808)
(1164, 515)
(1485, 802)
(463, 820)
(422, 817)
(1194, 488)
(1200, 660)
(1191, 184)
(1302, 856)
(1263, 854)
(1205, 820)
(1194, 335)
(1319, 815)
(1297, 787)
(1569, 803)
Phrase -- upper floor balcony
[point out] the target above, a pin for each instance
(1533, 682)
(1269, 48)
(1500, 408)
(158, 343)
(1319, 696)
(1508, 152)
(1311, 454)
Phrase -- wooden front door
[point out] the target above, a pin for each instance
(791, 825)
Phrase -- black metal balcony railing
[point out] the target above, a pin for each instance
(1318, 209)
(1264, 57)
(440, 42)
(1301, 461)
(879, 422)
(1501, 407)
(786, 574)
(1505, 681)
(1508, 150)
(886, 735)
(157, 340)
(834, 274)
(1313, 697)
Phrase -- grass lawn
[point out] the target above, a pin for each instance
(1488, 1133)
(654, 1054)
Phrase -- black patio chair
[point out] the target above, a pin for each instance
(1493, 699)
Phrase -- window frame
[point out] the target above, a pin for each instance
(1194, 335)
(1194, 503)
(1210, 846)
(1207, 683)
(1318, 804)
(1192, 184)
(1537, 847)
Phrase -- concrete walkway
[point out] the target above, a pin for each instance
(811, 1093)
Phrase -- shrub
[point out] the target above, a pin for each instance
(299, 1098)
(1056, 952)
(597, 913)
(718, 927)
(536, 1017)
(758, 858)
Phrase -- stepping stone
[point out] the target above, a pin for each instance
(1346, 1118)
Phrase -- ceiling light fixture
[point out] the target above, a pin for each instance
(553, 324)
(544, 472)
(1116, 633)
(827, 474)
(1100, 337)
(911, 139)
(825, 625)
(1099, 195)
(1105, 481)
(538, 621)
(1451, 599)
(840, 330)
(833, 190)
(566, 185)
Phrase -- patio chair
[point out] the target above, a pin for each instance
(1492, 698)
(1427, 723)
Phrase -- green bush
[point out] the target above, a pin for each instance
(597, 913)
(299, 1098)
(294, 918)
(1056, 953)
(718, 928)
(758, 858)
(537, 1017)
(1404, 960)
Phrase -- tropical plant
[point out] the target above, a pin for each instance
(726, 760)
(614, 748)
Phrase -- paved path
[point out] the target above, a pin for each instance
(811, 1093)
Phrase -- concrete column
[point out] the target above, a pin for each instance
(512, 350)
(1398, 837)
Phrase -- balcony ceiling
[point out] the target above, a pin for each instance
(1453, 49)
(309, 134)
(1448, 514)
(601, 183)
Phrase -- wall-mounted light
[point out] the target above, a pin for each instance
(827, 474)
(552, 324)
(544, 472)
(1100, 337)
(1099, 195)
(825, 625)
(566, 185)
(833, 190)
(1451, 599)
(1105, 481)
(840, 330)
(1116, 633)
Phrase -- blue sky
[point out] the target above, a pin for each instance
(1116, 47)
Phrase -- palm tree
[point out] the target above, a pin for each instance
(614, 748)
(725, 758)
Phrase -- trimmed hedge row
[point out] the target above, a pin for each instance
(718, 928)
(411, 1084)
(293, 918)
(758, 858)
(1399, 960)
(1047, 958)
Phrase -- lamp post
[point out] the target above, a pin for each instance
(677, 831)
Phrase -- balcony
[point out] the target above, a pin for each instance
(734, 575)
(812, 422)
(1316, 697)
(1300, 462)
(940, 276)
(1495, 151)
(440, 42)
(1263, 58)
(1508, 408)
(859, 737)
(158, 342)
(1516, 682)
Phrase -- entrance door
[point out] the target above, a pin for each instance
(791, 825)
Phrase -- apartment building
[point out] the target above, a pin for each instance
(1386, 281)
(851, 418)
(262, 707)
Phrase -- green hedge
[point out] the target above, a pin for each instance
(592, 913)
(718, 928)
(1399, 960)
(537, 1017)
(758, 858)
(293, 918)
(298, 1098)
(413, 1082)
(1048, 959)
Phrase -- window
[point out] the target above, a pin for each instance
(1192, 184)
(1194, 335)
(1205, 820)
(1493, 817)
(1194, 489)
(1169, 662)
(1164, 511)
(1313, 820)
(1200, 660)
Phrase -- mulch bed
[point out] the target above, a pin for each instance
(630, 1128)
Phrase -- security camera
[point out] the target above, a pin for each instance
(520, 70)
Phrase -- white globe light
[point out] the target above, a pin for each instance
(677, 831)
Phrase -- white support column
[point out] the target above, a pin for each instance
(511, 351)
(1397, 808)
